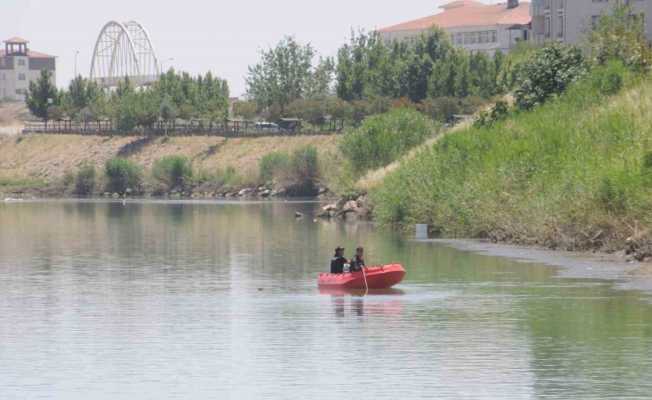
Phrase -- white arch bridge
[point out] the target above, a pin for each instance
(124, 50)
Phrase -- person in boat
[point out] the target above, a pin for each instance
(338, 262)
(357, 263)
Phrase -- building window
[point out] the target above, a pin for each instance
(548, 26)
(560, 32)
(21, 77)
(21, 62)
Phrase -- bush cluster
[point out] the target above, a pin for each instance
(85, 180)
(123, 176)
(384, 138)
(172, 173)
(299, 171)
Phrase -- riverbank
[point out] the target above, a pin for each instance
(625, 272)
(573, 174)
(37, 165)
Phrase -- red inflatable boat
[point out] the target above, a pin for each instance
(377, 278)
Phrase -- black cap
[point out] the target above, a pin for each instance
(340, 248)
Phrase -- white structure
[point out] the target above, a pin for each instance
(473, 25)
(19, 66)
(124, 51)
(569, 20)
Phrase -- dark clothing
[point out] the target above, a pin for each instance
(357, 264)
(337, 265)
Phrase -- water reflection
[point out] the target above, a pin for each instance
(112, 300)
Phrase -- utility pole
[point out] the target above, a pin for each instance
(76, 54)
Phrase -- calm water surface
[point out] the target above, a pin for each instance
(218, 301)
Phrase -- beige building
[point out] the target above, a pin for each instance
(472, 25)
(569, 20)
(19, 66)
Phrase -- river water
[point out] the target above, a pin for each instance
(152, 300)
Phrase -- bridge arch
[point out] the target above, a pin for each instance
(124, 50)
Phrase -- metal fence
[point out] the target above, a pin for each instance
(230, 128)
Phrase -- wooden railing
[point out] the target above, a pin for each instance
(231, 128)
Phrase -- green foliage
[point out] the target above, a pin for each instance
(41, 95)
(245, 109)
(497, 113)
(557, 175)
(272, 165)
(174, 95)
(611, 195)
(298, 171)
(81, 94)
(122, 176)
(428, 66)
(172, 172)
(620, 35)
(442, 109)
(85, 180)
(305, 166)
(546, 73)
(384, 138)
(609, 79)
(285, 73)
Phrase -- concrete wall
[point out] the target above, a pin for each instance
(505, 38)
(570, 20)
(14, 82)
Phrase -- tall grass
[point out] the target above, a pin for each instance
(384, 138)
(172, 172)
(570, 173)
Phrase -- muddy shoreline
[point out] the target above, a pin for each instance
(625, 275)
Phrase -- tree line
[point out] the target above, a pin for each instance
(370, 75)
(174, 95)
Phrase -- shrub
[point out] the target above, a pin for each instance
(304, 172)
(305, 165)
(608, 80)
(68, 179)
(384, 138)
(621, 36)
(227, 177)
(498, 112)
(547, 72)
(85, 180)
(442, 109)
(272, 164)
(122, 176)
(172, 172)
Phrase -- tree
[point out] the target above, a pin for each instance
(42, 94)
(282, 75)
(547, 72)
(320, 80)
(81, 94)
(621, 35)
(245, 109)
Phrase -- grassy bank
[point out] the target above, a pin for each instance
(575, 173)
(33, 163)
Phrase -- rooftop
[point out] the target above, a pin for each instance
(16, 40)
(467, 13)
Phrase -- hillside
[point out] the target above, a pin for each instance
(12, 117)
(575, 173)
(42, 160)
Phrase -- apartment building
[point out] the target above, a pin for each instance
(569, 21)
(19, 66)
(472, 25)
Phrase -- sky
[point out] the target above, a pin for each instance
(198, 36)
